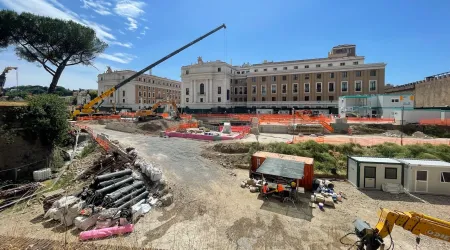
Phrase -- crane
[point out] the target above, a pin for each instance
(143, 115)
(416, 223)
(88, 109)
(3, 78)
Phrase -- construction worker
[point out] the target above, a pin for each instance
(280, 191)
(265, 191)
(293, 189)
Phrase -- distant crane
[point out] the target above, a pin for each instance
(3, 78)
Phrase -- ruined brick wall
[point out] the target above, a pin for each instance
(433, 93)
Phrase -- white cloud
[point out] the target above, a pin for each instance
(98, 6)
(143, 32)
(146, 27)
(121, 32)
(129, 8)
(126, 45)
(138, 37)
(132, 23)
(55, 9)
(118, 57)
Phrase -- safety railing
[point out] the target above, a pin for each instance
(103, 142)
(372, 120)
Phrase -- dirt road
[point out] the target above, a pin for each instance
(211, 211)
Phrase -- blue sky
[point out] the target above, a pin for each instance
(410, 36)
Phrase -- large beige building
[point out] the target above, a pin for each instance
(141, 92)
(310, 83)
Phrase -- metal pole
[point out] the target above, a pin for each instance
(17, 78)
(401, 134)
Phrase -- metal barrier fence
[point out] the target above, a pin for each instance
(101, 140)
(369, 141)
(440, 122)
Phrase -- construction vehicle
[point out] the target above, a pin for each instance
(3, 78)
(416, 223)
(89, 109)
(150, 114)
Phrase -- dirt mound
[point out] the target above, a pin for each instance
(232, 148)
(156, 125)
(152, 127)
(365, 129)
(419, 134)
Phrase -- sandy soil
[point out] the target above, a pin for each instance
(211, 211)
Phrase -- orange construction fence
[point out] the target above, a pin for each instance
(441, 122)
(90, 118)
(102, 142)
(368, 141)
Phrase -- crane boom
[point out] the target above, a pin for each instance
(88, 108)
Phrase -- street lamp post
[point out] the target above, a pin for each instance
(401, 128)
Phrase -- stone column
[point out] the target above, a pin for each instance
(193, 91)
(211, 89)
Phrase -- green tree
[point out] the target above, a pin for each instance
(52, 43)
(46, 119)
(93, 94)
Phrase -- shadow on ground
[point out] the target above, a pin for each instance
(299, 209)
(433, 199)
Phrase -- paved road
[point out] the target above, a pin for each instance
(179, 158)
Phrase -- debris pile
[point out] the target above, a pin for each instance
(394, 133)
(325, 195)
(113, 201)
(419, 134)
(252, 184)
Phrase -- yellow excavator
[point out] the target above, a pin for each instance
(3, 78)
(417, 223)
(89, 109)
(150, 114)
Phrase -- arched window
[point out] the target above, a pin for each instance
(202, 89)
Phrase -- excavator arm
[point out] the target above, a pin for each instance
(416, 223)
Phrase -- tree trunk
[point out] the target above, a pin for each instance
(55, 79)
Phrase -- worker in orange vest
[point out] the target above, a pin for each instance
(265, 191)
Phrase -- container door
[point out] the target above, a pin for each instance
(421, 181)
(370, 174)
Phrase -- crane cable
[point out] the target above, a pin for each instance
(225, 38)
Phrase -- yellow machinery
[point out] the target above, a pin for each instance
(416, 223)
(89, 109)
(150, 114)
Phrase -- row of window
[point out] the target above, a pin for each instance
(152, 81)
(307, 89)
(219, 99)
(318, 76)
(295, 67)
(294, 98)
(295, 89)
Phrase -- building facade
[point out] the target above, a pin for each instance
(432, 92)
(142, 92)
(310, 83)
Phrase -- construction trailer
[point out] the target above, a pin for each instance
(273, 166)
(427, 176)
(415, 175)
(372, 172)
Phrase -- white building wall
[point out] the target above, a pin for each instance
(414, 116)
(380, 174)
(352, 171)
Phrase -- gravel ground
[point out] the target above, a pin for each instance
(211, 211)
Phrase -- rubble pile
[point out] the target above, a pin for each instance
(252, 184)
(325, 195)
(113, 201)
(421, 135)
(394, 133)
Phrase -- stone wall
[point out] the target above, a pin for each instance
(433, 93)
